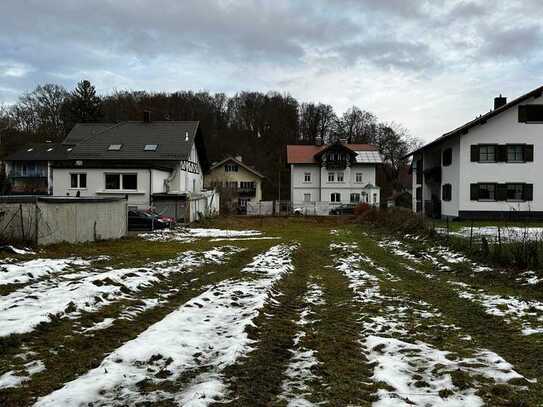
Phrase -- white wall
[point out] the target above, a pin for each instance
(96, 184)
(321, 189)
(503, 129)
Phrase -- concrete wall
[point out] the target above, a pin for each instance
(62, 220)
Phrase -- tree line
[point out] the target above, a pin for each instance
(255, 125)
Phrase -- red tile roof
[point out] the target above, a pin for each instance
(305, 154)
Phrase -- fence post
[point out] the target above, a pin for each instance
(471, 237)
(22, 221)
(447, 231)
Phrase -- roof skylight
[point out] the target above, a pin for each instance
(114, 147)
(150, 147)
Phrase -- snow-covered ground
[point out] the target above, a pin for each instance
(415, 372)
(89, 290)
(181, 234)
(295, 389)
(23, 272)
(207, 333)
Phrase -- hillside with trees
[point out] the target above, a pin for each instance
(255, 125)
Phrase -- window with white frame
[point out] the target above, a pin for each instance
(515, 153)
(122, 182)
(355, 197)
(307, 197)
(78, 180)
(331, 176)
(335, 197)
(339, 177)
(231, 168)
(307, 177)
(358, 177)
(487, 154)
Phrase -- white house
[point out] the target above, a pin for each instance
(486, 168)
(133, 159)
(333, 173)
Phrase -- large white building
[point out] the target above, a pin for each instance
(486, 168)
(333, 173)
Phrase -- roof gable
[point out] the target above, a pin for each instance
(306, 154)
(240, 163)
(463, 129)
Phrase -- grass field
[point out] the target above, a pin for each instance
(291, 312)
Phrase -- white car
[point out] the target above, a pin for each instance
(298, 211)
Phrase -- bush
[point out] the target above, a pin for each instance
(361, 209)
(395, 219)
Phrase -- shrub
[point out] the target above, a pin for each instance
(361, 209)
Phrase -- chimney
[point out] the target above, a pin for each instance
(146, 116)
(239, 158)
(499, 102)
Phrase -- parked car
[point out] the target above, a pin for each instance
(165, 218)
(298, 211)
(144, 220)
(342, 210)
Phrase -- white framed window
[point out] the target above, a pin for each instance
(307, 177)
(340, 177)
(121, 182)
(487, 153)
(232, 184)
(375, 198)
(231, 168)
(78, 180)
(335, 197)
(358, 178)
(307, 197)
(355, 197)
(331, 176)
(515, 153)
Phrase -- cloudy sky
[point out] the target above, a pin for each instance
(430, 65)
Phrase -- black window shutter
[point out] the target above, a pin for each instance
(529, 152)
(528, 192)
(522, 114)
(501, 153)
(501, 192)
(474, 153)
(474, 192)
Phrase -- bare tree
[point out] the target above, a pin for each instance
(357, 126)
(40, 111)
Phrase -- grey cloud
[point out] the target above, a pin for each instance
(512, 43)
(388, 53)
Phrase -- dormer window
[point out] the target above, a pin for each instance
(114, 147)
(150, 147)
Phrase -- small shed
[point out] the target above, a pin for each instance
(187, 207)
(46, 220)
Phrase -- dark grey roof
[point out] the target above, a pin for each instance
(174, 140)
(82, 131)
(481, 119)
(40, 152)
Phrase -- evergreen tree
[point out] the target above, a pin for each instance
(83, 106)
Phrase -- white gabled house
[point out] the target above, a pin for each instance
(144, 161)
(488, 168)
(337, 173)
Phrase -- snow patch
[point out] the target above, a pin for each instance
(207, 331)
